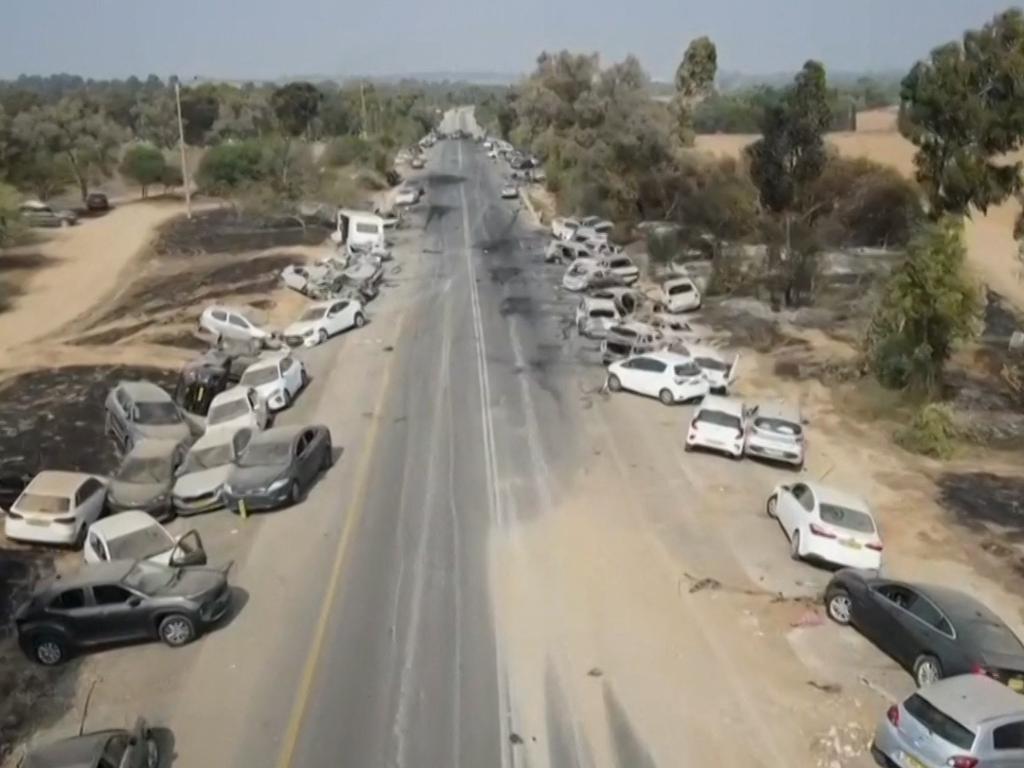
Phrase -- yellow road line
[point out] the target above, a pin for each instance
(301, 704)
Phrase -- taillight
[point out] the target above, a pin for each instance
(64, 520)
(978, 669)
(817, 530)
(875, 545)
(893, 713)
(962, 762)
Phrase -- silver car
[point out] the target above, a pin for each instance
(199, 484)
(959, 722)
(141, 409)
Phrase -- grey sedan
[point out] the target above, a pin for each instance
(141, 409)
(278, 467)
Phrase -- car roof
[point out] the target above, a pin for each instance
(957, 605)
(235, 393)
(55, 482)
(780, 410)
(215, 436)
(93, 573)
(152, 448)
(267, 362)
(75, 752)
(144, 391)
(724, 404)
(278, 435)
(838, 498)
(973, 699)
(670, 358)
(123, 523)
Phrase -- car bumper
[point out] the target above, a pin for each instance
(197, 505)
(45, 533)
(682, 306)
(257, 501)
(894, 750)
(775, 452)
(160, 511)
(835, 552)
(731, 448)
(686, 392)
(214, 611)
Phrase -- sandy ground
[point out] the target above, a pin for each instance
(992, 252)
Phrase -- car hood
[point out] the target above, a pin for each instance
(300, 329)
(266, 390)
(176, 432)
(131, 494)
(244, 479)
(198, 483)
(193, 582)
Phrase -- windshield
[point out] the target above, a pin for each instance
(39, 502)
(266, 454)
(682, 288)
(157, 413)
(938, 722)
(232, 409)
(779, 427)
(207, 458)
(259, 376)
(719, 419)
(149, 577)
(139, 545)
(850, 519)
(313, 314)
(712, 364)
(148, 470)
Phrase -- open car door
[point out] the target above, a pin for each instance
(188, 550)
(733, 370)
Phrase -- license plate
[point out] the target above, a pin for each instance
(1016, 684)
(913, 762)
(852, 544)
(36, 521)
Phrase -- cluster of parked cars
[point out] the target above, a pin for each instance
(968, 664)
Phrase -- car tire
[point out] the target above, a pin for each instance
(321, 336)
(771, 506)
(927, 670)
(286, 398)
(360, 320)
(614, 384)
(294, 493)
(49, 650)
(666, 397)
(838, 605)
(303, 378)
(328, 459)
(176, 630)
(794, 546)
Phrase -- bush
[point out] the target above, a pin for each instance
(348, 150)
(229, 166)
(931, 432)
(145, 165)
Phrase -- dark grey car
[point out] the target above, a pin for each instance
(141, 409)
(120, 601)
(37, 214)
(278, 467)
(114, 748)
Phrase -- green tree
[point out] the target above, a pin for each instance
(296, 106)
(145, 165)
(929, 305)
(227, 167)
(694, 81)
(963, 108)
(244, 114)
(10, 220)
(200, 108)
(156, 119)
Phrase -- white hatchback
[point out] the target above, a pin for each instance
(680, 295)
(236, 408)
(719, 424)
(324, 319)
(134, 535)
(56, 508)
(228, 323)
(667, 376)
(826, 524)
(718, 366)
(277, 380)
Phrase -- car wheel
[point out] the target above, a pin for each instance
(360, 319)
(303, 378)
(286, 399)
(321, 337)
(838, 605)
(771, 507)
(666, 397)
(177, 630)
(927, 670)
(48, 650)
(614, 384)
(295, 492)
(328, 459)
(794, 546)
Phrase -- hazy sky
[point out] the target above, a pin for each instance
(274, 38)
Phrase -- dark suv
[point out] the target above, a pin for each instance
(120, 601)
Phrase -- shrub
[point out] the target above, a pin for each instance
(931, 432)
(229, 166)
(145, 165)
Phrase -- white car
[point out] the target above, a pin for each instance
(56, 508)
(626, 299)
(679, 295)
(236, 408)
(776, 432)
(719, 424)
(562, 251)
(509, 192)
(667, 376)
(719, 367)
(493, 154)
(629, 339)
(676, 330)
(563, 227)
(199, 481)
(135, 535)
(487, 145)
(407, 196)
(597, 224)
(826, 524)
(623, 266)
(580, 274)
(595, 316)
(299, 277)
(324, 319)
(277, 379)
(228, 323)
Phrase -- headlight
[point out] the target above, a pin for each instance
(277, 485)
(308, 332)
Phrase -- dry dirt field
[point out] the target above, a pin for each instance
(992, 251)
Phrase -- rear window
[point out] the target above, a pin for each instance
(778, 426)
(602, 313)
(687, 369)
(850, 519)
(938, 722)
(41, 502)
(719, 419)
(677, 289)
(158, 414)
(367, 229)
(712, 364)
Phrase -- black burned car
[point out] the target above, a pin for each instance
(120, 601)
(933, 632)
(277, 467)
(114, 748)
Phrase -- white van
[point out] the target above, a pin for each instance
(360, 230)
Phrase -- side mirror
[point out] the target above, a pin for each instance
(134, 601)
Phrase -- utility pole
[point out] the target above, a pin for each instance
(362, 99)
(186, 182)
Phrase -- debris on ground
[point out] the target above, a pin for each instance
(841, 746)
(705, 583)
(515, 738)
(595, 672)
(833, 688)
(809, 618)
